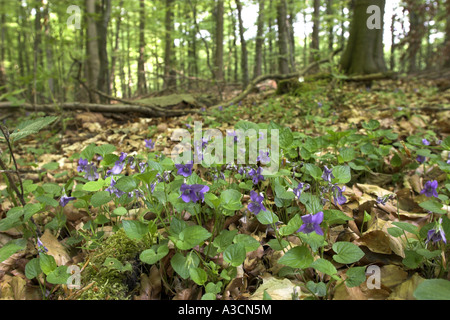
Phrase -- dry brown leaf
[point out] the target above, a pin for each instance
(278, 289)
(392, 275)
(55, 249)
(377, 241)
(405, 290)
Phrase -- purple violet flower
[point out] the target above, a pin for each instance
(256, 175)
(327, 174)
(263, 157)
(112, 189)
(256, 205)
(421, 159)
(193, 192)
(437, 234)
(185, 170)
(430, 189)
(338, 197)
(65, 200)
(311, 223)
(425, 142)
(300, 188)
(149, 144)
(41, 247)
(82, 163)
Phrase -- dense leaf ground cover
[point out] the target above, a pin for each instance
(358, 208)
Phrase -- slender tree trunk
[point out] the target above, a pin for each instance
(218, 57)
(364, 52)
(270, 59)
(49, 52)
(93, 58)
(192, 47)
(330, 12)
(259, 41)
(447, 37)
(102, 32)
(315, 44)
(37, 50)
(112, 76)
(244, 53)
(283, 59)
(142, 83)
(2, 50)
(414, 39)
(169, 64)
(393, 46)
(291, 36)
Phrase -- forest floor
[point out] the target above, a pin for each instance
(404, 111)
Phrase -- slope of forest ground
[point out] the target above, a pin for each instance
(375, 131)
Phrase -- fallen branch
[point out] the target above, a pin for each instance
(252, 85)
(142, 109)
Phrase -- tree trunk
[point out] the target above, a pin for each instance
(414, 35)
(364, 52)
(2, 51)
(244, 53)
(315, 44)
(192, 47)
(49, 52)
(447, 37)
(169, 74)
(142, 83)
(92, 50)
(291, 36)
(37, 50)
(259, 41)
(283, 60)
(218, 57)
(112, 76)
(330, 12)
(270, 59)
(102, 30)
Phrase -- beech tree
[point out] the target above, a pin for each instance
(364, 52)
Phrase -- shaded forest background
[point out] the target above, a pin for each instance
(59, 51)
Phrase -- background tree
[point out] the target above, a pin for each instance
(283, 58)
(218, 58)
(364, 52)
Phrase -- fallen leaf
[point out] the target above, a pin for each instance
(55, 249)
(405, 290)
(277, 289)
(377, 241)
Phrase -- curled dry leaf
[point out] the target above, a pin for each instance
(392, 275)
(55, 249)
(377, 241)
(405, 290)
(278, 289)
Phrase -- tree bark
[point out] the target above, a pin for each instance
(112, 78)
(364, 52)
(102, 31)
(447, 37)
(330, 12)
(142, 83)
(283, 59)
(259, 41)
(169, 76)
(315, 39)
(218, 57)
(49, 52)
(2, 51)
(92, 50)
(244, 53)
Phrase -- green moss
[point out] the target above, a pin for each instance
(110, 284)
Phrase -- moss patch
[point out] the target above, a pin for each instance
(110, 284)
